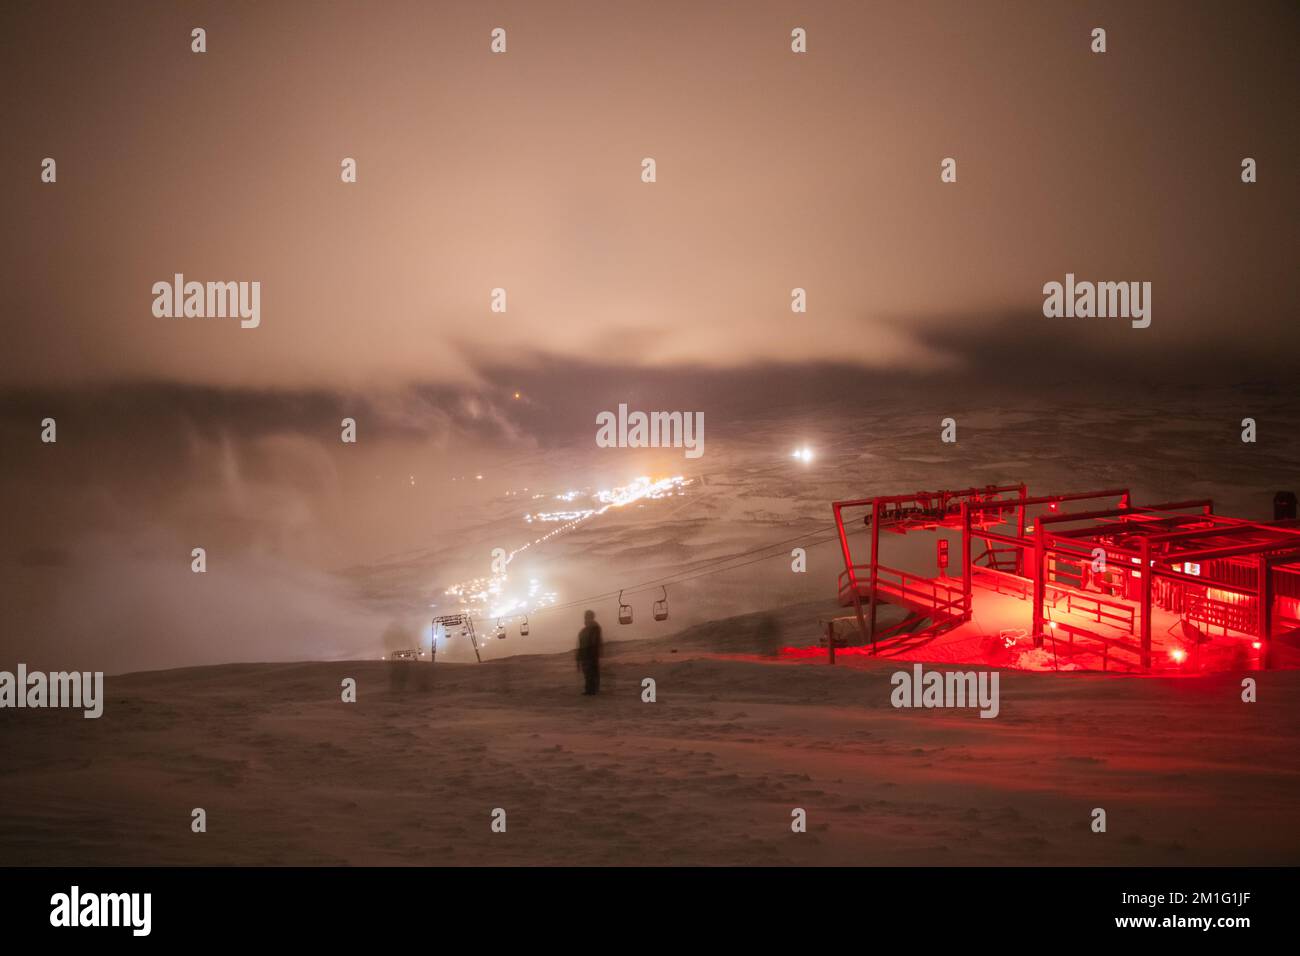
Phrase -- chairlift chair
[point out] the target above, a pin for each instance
(501, 630)
(661, 606)
(523, 627)
(624, 610)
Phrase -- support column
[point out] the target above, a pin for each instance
(965, 560)
(1146, 603)
(1020, 531)
(875, 560)
(1040, 584)
(853, 574)
(1264, 594)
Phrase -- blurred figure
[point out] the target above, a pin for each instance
(589, 652)
(767, 636)
(399, 674)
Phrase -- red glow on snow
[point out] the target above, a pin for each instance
(1015, 575)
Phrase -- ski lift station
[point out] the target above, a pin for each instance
(1090, 578)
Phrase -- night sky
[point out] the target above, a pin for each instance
(522, 171)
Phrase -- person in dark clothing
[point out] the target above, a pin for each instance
(589, 652)
(767, 637)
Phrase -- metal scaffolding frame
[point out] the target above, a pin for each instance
(1222, 571)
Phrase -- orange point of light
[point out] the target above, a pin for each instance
(1178, 654)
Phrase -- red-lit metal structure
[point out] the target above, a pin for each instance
(1093, 566)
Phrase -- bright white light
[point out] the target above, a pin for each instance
(802, 454)
(641, 489)
(494, 596)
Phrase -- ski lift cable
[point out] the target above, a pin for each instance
(715, 566)
(681, 577)
(709, 562)
(678, 577)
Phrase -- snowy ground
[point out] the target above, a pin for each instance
(709, 773)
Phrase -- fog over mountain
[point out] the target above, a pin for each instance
(517, 172)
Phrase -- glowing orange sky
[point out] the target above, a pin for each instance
(522, 171)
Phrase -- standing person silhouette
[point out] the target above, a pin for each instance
(589, 652)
